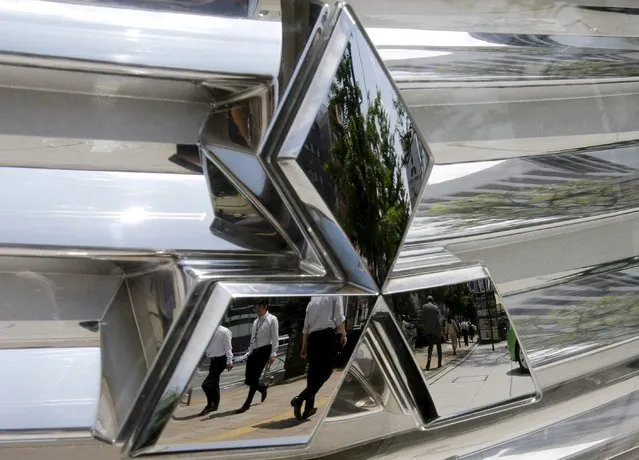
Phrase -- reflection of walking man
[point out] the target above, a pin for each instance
(220, 353)
(431, 319)
(324, 317)
(465, 331)
(453, 332)
(262, 350)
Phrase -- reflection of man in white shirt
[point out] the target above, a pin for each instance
(220, 353)
(262, 350)
(324, 318)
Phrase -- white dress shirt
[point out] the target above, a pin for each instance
(220, 345)
(265, 331)
(323, 313)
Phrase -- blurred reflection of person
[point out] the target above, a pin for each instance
(220, 352)
(324, 318)
(431, 320)
(409, 332)
(453, 333)
(262, 351)
(465, 331)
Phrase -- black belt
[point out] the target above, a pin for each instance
(324, 330)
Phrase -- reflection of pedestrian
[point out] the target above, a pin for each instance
(324, 318)
(409, 332)
(262, 350)
(431, 321)
(453, 332)
(465, 331)
(220, 353)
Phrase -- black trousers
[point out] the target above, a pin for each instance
(465, 337)
(211, 384)
(434, 340)
(255, 364)
(321, 353)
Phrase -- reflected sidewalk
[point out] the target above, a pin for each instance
(270, 419)
(484, 377)
(448, 358)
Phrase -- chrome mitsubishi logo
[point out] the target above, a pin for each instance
(334, 178)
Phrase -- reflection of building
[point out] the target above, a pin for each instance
(356, 312)
(415, 168)
(315, 154)
(290, 313)
(490, 310)
(239, 321)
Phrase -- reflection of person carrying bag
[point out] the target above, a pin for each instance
(336, 352)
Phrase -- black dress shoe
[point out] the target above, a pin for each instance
(309, 412)
(242, 409)
(264, 394)
(297, 407)
(207, 410)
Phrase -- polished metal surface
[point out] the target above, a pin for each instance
(383, 390)
(230, 140)
(593, 436)
(224, 428)
(247, 209)
(132, 40)
(108, 210)
(50, 312)
(212, 305)
(582, 312)
(90, 154)
(165, 163)
(478, 364)
(47, 305)
(58, 391)
(349, 153)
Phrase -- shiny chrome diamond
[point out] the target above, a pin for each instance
(345, 153)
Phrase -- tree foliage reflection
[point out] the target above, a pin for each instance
(369, 150)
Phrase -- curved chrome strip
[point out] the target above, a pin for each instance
(139, 39)
(58, 393)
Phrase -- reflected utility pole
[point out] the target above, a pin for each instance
(296, 27)
(490, 320)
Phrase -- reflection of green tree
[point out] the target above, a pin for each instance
(605, 318)
(583, 68)
(373, 201)
(456, 297)
(574, 198)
